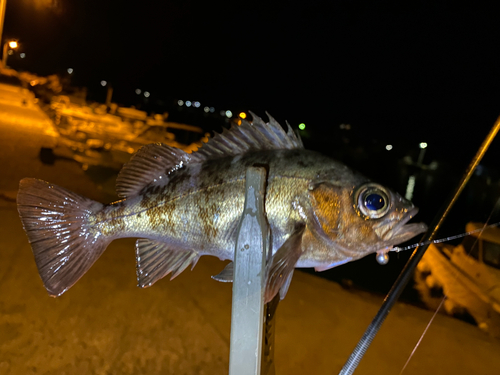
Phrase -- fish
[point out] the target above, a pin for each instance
(182, 206)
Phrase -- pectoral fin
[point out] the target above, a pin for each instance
(331, 265)
(280, 271)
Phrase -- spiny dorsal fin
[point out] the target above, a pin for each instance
(153, 164)
(250, 136)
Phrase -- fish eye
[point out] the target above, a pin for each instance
(372, 200)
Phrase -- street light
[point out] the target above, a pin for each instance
(12, 44)
(423, 147)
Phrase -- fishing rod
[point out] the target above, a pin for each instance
(405, 275)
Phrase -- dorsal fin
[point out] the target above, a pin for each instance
(253, 136)
(153, 164)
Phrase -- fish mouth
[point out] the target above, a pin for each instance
(397, 232)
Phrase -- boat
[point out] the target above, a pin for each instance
(467, 274)
(94, 137)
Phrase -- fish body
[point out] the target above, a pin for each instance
(201, 205)
(182, 206)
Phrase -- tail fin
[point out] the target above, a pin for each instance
(62, 240)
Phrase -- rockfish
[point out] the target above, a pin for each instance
(321, 214)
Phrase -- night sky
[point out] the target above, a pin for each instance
(414, 71)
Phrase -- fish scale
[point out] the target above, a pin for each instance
(166, 212)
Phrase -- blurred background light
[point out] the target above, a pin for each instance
(70, 70)
(147, 94)
(22, 55)
(188, 103)
(410, 187)
(229, 114)
(197, 104)
(138, 91)
(206, 109)
(103, 83)
(423, 144)
(302, 126)
(243, 115)
(180, 103)
(388, 147)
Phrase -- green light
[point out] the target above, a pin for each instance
(302, 126)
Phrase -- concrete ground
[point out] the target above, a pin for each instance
(106, 325)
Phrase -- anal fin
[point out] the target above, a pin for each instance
(156, 260)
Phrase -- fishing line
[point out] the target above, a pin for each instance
(450, 238)
(423, 334)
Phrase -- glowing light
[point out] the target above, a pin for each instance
(180, 103)
(188, 103)
(22, 55)
(212, 109)
(206, 109)
(423, 145)
(13, 44)
(410, 188)
(302, 126)
(243, 115)
(222, 113)
(70, 70)
(388, 147)
(146, 94)
(197, 104)
(229, 114)
(103, 83)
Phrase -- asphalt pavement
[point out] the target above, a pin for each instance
(106, 325)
